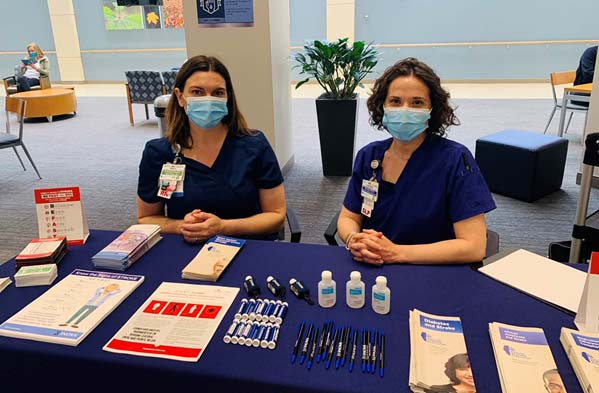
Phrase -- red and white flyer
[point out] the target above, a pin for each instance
(176, 322)
(60, 213)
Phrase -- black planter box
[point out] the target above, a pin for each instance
(337, 121)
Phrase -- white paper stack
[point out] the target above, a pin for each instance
(437, 350)
(213, 258)
(524, 360)
(128, 247)
(583, 351)
(29, 276)
(4, 282)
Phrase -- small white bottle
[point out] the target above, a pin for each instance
(381, 296)
(327, 290)
(355, 288)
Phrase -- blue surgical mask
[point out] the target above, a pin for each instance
(405, 124)
(33, 55)
(206, 112)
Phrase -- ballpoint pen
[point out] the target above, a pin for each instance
(339, 351)
(306, 345)
(331, 349)
(374, 351)
(364, 349)
(382, 355)
(346, 346)
(297, 341)
(354, 349)
(321, 342)
(327, 342)
(313, 348)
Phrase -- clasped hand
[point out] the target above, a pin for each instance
(199, 226)
(372, 247)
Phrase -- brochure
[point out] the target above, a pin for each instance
(67, 312)
(128, 247)
(583, 352)
(176, 322)
(60, 213)
(42, 251)
(36, 275)
(4, 282)
(438, 357)
(213, 258)
(551, 281)
(524, 359)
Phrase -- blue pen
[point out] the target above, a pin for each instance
(306, 345)
(374, 353)
(331, 349)
(313, 349)
(321, 342)
(340, 347)
(382, 355)
(346, 345)
(371, 345)
(300, 333)
(354, 349)
(364, 349)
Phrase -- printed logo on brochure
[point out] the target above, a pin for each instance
(173, 308)
(430, 339)
(155, 307)
(511, 351)
(191, 310)
(590, 358)
(210, 312)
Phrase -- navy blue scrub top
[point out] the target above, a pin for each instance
(228, 189)
(440, 185)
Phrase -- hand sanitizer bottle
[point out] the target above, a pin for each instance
(327, 290)
(355, 290)
(381, 296)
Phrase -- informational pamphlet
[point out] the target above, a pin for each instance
(42, 251)
(551, 281)
(438, 357)
(176, 322)
(524, 359)
(583, 352)
(60, 213)
(4, 282)
(29, 276)
(213, 258)
(123, 251)
(67, 312)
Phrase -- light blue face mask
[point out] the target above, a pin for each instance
(33, 55)
(206, 112)
(405, 124)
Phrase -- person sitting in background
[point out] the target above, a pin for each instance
(416, 197)
(586, 70)
(232, 181)
(37, 66)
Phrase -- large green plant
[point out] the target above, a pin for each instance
(337, 66)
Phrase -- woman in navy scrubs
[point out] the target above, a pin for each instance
(416, 197)
(232, 182)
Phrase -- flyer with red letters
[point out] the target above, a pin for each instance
(60, 213)
(176, 322)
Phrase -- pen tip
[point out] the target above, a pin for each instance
(350, 367)
(292, 358)
(381, 372)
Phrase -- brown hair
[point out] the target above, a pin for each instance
(456, 362)
(442, 114)
(178, 131)
(40, 52)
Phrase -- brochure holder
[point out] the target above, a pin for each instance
(587, 318)
(60, 213)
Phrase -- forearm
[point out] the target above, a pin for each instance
(444, 252)
(345, 227)
(268, 222)
(167, 225)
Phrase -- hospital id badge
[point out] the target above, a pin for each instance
(367, 206)
(370, 190)
(171, 180)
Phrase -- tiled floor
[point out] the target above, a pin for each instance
(457, 90)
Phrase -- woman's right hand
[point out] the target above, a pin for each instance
(359, 249)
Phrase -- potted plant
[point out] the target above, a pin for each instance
(339, 68)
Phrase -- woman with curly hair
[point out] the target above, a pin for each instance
(416, 197)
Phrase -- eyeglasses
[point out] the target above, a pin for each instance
(555, 388)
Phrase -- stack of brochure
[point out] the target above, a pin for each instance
(524, 360)
(4, 282)
(437, 350)
(29, 276)
(213, 258)
(128, 247)
(583, 351)
(42, 251)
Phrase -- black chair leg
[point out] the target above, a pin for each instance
(19, 157)
(147, 113)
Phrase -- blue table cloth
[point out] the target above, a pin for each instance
(28, 366)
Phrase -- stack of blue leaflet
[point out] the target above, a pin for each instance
(128, 247)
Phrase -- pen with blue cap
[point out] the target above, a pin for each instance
(327, 342)
(331, 349)
(364, 349)
(313, 348)
(339, 351)
(321, 342)
(382, 355)
(374, 353)
(346, 348)
(306, 343)
(354, 349)
(300, 333)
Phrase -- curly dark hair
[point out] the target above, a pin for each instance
(453, 363)
(442, 114)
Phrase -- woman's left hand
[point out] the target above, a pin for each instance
(207, 225)
(380, 245)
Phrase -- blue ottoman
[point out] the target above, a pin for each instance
(521, 164)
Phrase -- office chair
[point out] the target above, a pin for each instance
(16, 106)
(332, 239)
(558, 79)
(142, 88)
